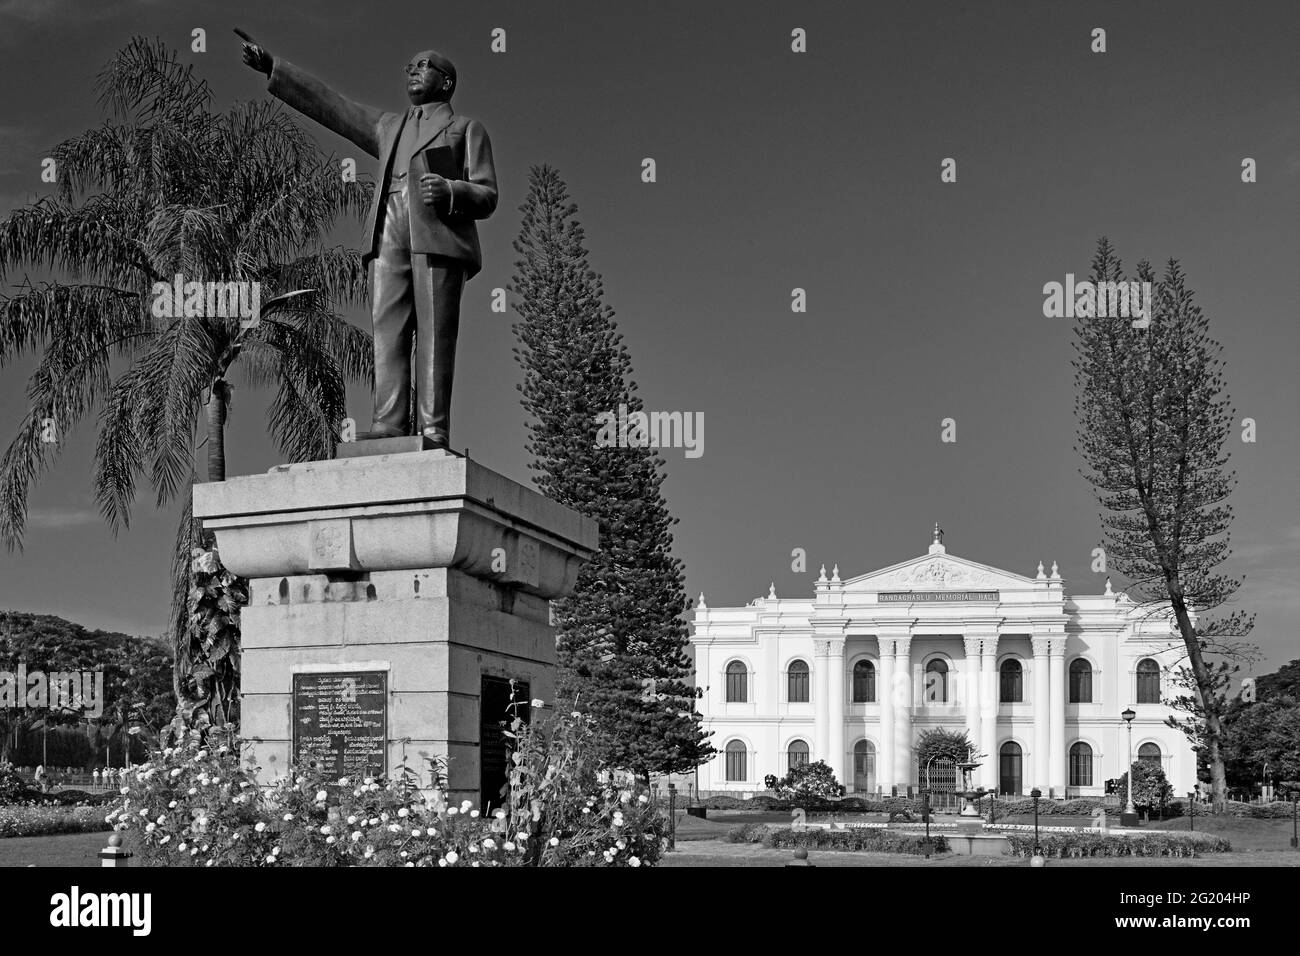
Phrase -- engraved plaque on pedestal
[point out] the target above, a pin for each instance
(340, 722)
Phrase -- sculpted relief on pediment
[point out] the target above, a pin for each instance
(938, 573)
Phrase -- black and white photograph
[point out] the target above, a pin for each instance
(359, 511)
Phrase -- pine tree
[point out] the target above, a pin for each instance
(1153, 423)
(621, 640)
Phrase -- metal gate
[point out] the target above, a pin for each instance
(939, 776)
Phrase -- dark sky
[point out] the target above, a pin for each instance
(778, 170)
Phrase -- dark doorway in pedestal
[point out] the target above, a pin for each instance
(495, 716)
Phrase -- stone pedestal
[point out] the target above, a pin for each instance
(420, 565)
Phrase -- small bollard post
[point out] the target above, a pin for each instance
(672, 816)
(113, 854)
(800, 858)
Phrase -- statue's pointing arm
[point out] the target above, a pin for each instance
(311, 97)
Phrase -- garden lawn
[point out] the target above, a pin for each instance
(68, 849)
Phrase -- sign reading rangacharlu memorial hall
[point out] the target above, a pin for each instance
(1036, 677)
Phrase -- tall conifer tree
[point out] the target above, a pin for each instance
(621, 637)
(1154, 421)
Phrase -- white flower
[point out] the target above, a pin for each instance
(384, 816)
(451, 811)
(409, 863)
(500, 814)
(325, 830)
(586, 810)
(538, 702)
(180, 847)
(368, 781)
(203, 822)
(508, 845)
(275, 850)
(356, 835)
(374, 822)
(370, 851)
(300, 780)
(270, 859)
(522, 836)
(415, 832)
(490, 843)
(194, 851)
(555, 841)
(243, 784)
(452, 856)
(162, 819)
(475, 863)
(321, 796)
(465, 805)
(176, 772)
(125, 790)
(473, 814)
(643, 799)
(150, 828)
(288, 817)
(621, 845)
(210, 863)
(164, 840)
(352, 820)
(403, 812)
(575, 714)
(442, 862)
(172, 805)
(144, 813)
(191, 791)
(633, 861)
(344, 782)
(260, 826)
(394, 828)
(329, 840)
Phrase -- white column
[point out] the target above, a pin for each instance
(989, 718)
(885, 694)
(1056, 776)
(821, 700)
(970, 684)
(835, 707)
(903, 771)
(1040, 761)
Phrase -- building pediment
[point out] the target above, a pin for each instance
(937, 572)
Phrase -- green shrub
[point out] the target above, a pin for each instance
(26, 821)
(862, 839)
(1276, 810)
(1099, 844)
(747, 833)
(809, 780)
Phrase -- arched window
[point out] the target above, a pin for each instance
(1080, 765)
(1013, 682)
(737, 683)
(1148, 681)
(737, 757)
(1150, 753)
(1011, 769)
(796, 682)
(864, 682)
(936, 681)
(864, 766)
(1080, 681)
(796, 755)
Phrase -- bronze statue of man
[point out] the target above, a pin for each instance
(436, 180)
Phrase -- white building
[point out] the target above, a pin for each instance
(1038, 679)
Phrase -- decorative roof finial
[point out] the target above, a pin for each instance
(835, 574)
(1042, 576)
(1056, 575)
(821, 579)
(700, 602)
(771, 591)
(938, 534)
(1109, 592)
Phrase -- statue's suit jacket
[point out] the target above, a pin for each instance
(474, 195)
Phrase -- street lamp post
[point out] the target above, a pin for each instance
(1129, 817)
(1037, 859)
(1191, 802)
(925, 815)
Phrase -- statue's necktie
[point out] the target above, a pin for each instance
(414, 130)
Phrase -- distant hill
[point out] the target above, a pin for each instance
(24, 630)
(1284, 682)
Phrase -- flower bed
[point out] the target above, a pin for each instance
(1138, 844)
(871, 840)
(195, 805)
(26, 821)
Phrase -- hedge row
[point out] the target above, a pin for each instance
(45, 820)
(1095, 844)
(856, 839)
(1261, 811)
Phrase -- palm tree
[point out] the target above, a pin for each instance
(168, 187)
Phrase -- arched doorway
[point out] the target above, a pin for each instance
(1011, 780)
(864, 767)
